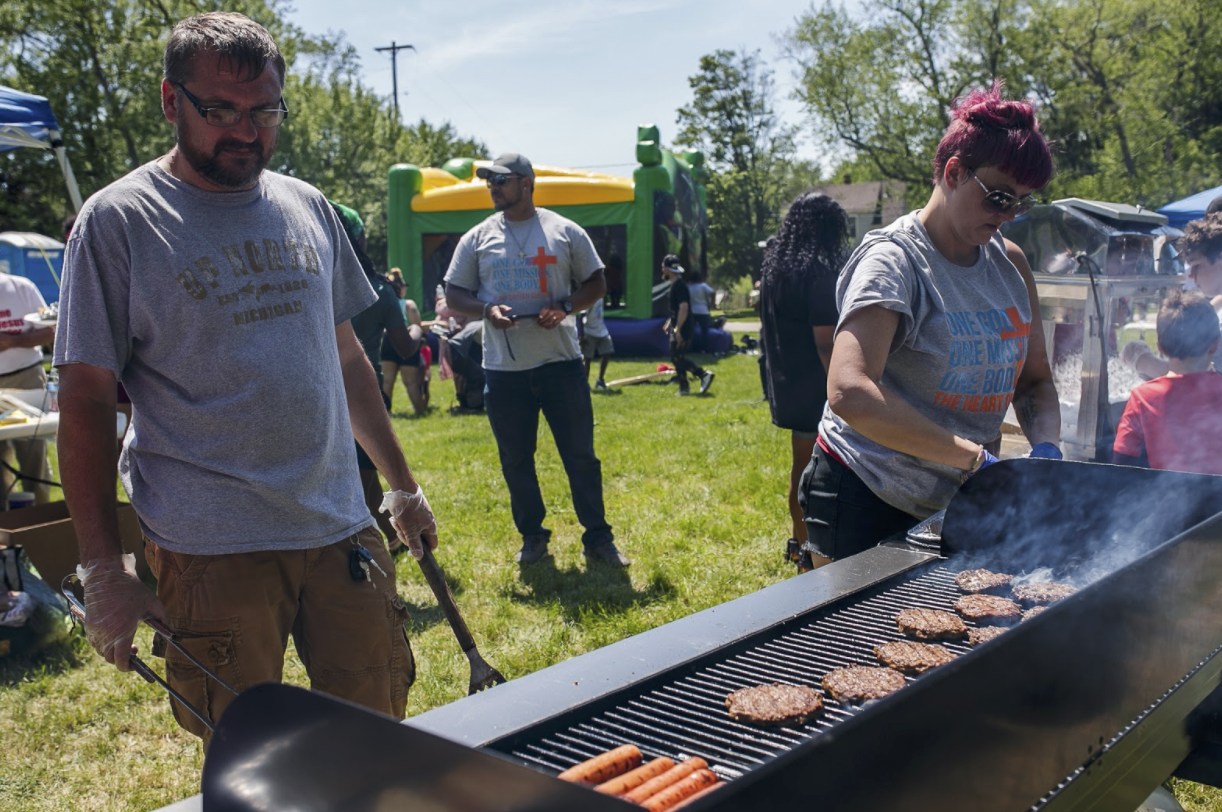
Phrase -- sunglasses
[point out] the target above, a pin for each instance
(499, 179)
(1000, 202)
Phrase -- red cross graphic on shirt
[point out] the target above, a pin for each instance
(542, 260)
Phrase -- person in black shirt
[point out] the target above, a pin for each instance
(681, 327)
(798, 321)
(381, 322)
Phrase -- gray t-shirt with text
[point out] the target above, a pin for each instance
(217, 312)
(527, 265)
(956, 356)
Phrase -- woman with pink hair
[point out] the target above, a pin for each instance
(939, 332)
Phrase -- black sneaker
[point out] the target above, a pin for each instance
(706, 380)
(534, 548)
(600, 384)
(606, 554)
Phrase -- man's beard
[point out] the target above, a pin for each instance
(209, 167)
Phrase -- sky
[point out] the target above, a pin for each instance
(564, 82)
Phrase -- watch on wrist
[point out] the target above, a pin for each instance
(567, 306)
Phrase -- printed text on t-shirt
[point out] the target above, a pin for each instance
(247, 261)
(987, 352)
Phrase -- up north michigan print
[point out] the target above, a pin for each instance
(262, 276)
(987, 352)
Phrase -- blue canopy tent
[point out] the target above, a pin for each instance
(1181, 212)
(27, 121)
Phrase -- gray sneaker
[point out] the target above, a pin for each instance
(533, 549)
(706, 380)
(606, 554)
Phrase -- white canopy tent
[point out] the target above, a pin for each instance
(27, 121)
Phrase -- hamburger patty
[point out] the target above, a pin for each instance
(984, 634)
(930, 624)
(858, 683)
(774, 704)
(1033, 611)
(1042, 593)
(982, 580)
(987, 607)
(912, 658)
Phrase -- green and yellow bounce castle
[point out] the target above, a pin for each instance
(633, 221)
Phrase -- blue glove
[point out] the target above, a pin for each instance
(987, 460)
(1045, 451)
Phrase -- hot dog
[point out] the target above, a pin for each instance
(673, 775)
(604, 766)
(675, 794)
(631, 780)
(698, 795)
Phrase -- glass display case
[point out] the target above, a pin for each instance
(1101, 270)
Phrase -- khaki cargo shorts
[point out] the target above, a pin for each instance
(235, 613)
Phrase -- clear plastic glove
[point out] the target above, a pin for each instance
(116, 600)
(1134, 351)
(412, 519)
(1045, 451)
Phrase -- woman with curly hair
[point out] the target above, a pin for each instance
(939, 332)
(798, 319)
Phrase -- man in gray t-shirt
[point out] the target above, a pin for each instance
(525, 271)
(220, 297)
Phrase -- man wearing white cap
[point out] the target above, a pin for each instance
(525, 271)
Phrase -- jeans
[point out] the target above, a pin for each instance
(513, 401)
(680, 346)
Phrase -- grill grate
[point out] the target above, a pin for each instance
(682, 714)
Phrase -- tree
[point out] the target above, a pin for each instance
(1129, 92)
(99, 62)
(750, 155)
(880, 86)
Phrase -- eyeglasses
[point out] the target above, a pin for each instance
(499, 179)
(227, 116)
(1000, 202)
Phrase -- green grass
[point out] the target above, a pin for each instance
(695, 491)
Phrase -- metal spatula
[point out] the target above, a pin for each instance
(482, 675)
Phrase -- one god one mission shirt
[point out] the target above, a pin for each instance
(528, 265)
(956, 356)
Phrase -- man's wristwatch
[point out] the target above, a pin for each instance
(566, 306)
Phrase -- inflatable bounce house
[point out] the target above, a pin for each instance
(634, 222)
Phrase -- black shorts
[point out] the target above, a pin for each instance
(843, 516)
(389, 354)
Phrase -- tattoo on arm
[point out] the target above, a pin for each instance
(1027, 412)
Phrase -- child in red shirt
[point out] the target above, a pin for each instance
(1168, 421)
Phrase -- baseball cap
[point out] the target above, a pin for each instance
(671, 263)
(510, 163)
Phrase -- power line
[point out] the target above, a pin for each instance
(394, 69)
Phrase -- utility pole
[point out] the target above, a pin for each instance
(394, 69)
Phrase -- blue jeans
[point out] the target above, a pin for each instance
(513, 401)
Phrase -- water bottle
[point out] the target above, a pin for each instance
(53, 390)
(438, 294)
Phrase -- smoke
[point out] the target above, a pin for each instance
(1071, 522)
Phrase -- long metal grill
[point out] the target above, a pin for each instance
(682, 714)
